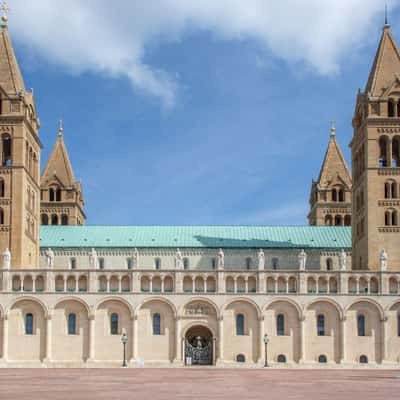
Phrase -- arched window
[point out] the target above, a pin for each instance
(64, 219)
(280, 325)
(341, 195)
(321, 325)
(114, 324)
(54, 219)
(322, 359)
(240, 358)
(329, 264)
(2, 191)
(51, 194)
(338, 220)
(58, 195)
(44, 219)
(388, 218)
(328, 220)
(347, 220)
(281, 358)
(1, 216)
(240, 325)
(157, 263)
(398, 324)
(361, 325)
(186, 263)
(363, 359)
(396, 152)
(391, 108)
(275, 263)
(383, 152)
(156, 324)
(394, 218)
(394, 190)
(334, 195)
(388, 190)
(7, 158)
(29, 324)
(72, 324)
(248, 263)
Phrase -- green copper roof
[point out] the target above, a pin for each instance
(196, 237)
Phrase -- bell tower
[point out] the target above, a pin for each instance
(19, 161)
(375, 151)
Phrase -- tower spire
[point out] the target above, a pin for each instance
(60, 127)
(386, 14)
(333, 128)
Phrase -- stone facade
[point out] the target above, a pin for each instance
(289, 296)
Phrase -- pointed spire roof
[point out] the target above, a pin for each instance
(334, 167)
(386, 66)
(59, 165)
(10, 75)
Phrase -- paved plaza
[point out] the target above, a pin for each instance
(193, 383)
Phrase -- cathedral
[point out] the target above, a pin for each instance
(327, 294)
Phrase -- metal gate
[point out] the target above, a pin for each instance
(199, 352)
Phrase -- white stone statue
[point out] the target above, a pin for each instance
(50, 258)
(261, 260)
(384, 260)
(342, 260)
(93, 260)
(302, 257)
(6, 259)
(178, 259)
(135, 258)
(221, 259)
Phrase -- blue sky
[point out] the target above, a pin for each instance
(211, 121)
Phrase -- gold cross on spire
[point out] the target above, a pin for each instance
(60, 127)
(5, 10)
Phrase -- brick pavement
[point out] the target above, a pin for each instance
(192, 383)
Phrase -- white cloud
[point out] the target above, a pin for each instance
(111, 37)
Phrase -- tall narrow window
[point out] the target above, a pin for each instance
(29, 324)
(51, 194)
(129, 263)
(321, 325)
(396, 152)
(1, 216)
(72, 262)
(114, 324)
(275, 263)
(156, 324)
(101, 263)
(248, 263)
(64, 219)
(54, 219)
(2, 191)
(72, 324)
(391, 108)
(7, 158)
(214, 263)
(157, 263)
(58, 195)
(347, 220)
(341, 195)
(361, 325)
(44, 219)
(388, 190)
(280, 325)
(334, 195)
(338, 220)
(383, 152)
(394, 218)
(329, 264)
(388, 218)
(186, 263)
(240, 325)
(398, 324)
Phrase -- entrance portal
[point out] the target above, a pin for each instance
(199, 346)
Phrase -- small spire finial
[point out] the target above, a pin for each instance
(386, 15)
(5, 10)
(333, 128)
(60, 127)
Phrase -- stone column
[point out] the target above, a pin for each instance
(92, 336)
(358, 285)
(119, 284)
(48, 338)
(65, 284)
(235, 284)
(384, 349)
(302, 356)
(5, 338)
(214, 350)
(134, 337)
(343, 354)
(193, 285)
(287, 285)
(205, 284)
(108, 284)
(246, 284)
(261, 333)
(178, 347)
(221, 339)
(369, 285)
(33, 284)
(162, 284)
(276, 284)
(76, 284)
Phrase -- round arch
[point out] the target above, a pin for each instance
(74, 299)
(196, 323)
(284, 300)
(117, 299)
(200, 299)
(44, 308)
(244, 300)
(369, 301)
(391, 305)
(329, 301)
(161, 300)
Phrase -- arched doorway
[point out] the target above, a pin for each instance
(198, 346)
